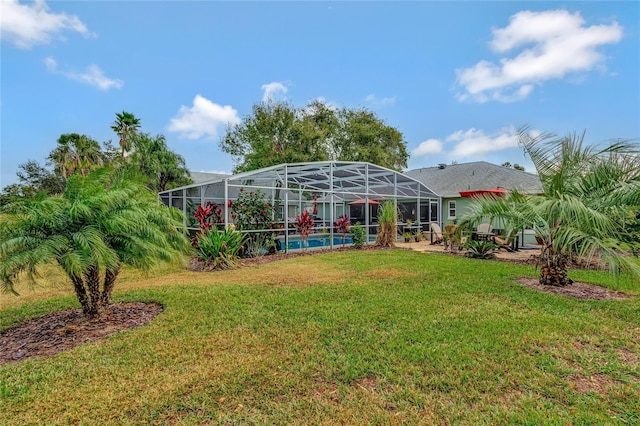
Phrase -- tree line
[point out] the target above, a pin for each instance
(149, 160)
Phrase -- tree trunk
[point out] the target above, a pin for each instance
(553, 268)
(92, 280)
(109, 282)
(81, 294)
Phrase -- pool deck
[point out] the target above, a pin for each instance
(426, 247)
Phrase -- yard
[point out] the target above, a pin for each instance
(351, 337)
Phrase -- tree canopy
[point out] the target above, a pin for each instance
(160, 167)
(150, 160)
(278, 132)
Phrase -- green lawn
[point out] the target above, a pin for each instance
(368, 337)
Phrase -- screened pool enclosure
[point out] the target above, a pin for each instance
(326, 190)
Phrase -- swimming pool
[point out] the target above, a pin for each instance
(316, 242)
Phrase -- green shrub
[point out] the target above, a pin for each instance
(358, 236)
(480, 249)
(387, 220)
(220, 249)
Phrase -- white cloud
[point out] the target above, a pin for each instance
(475, 143)
(204, 118)
(93, 76)
(430, 146)
(30, 24)
(380, 102)
(553, 44)
(274, 91)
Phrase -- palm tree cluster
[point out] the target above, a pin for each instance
(98, 224)
(76, 154)
(588, 193)
(150, 159)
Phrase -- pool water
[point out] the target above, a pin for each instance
(294, 243)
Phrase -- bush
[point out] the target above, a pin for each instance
(358, 236)
(387, 223)
(480, 249)
(219, 249)
(343, 224)
(253, 211)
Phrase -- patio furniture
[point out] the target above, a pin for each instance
(509, 242)
(435, 232)
(484, 232)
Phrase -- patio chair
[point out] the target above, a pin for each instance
(436, 236)
(485, 228)
(506, 242)
(484, 232)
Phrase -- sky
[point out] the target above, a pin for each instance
(456, 78)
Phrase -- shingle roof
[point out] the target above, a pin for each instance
(449, 180)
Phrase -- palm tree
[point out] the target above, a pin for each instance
(161, 167)
(75, 153)
(87, 154)
(587, 193)
(97, 225)
(126, 125)
(63, 158)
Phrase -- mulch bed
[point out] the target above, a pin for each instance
(58, 331)
(577, 290)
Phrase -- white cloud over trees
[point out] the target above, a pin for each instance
(375, 101)
(274, 91)
(430, 146)
(547, 45)
(203, 119)
(470, 144)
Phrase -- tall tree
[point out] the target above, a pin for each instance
(280, 133)
(588, 192)
(269, 136)
(75, 153)
(125, 126)
(32, 179)
(160, 167)
(365, 137)
(97, 225)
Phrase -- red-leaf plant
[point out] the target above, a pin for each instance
(207, 216)
(304, 225)
(342, 226)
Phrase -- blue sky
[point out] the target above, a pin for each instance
(456, 78)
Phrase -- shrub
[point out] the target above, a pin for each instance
(304, 225)
(220, 249)
(358, 236)
(252, 211)
(342, 226)
(387, 223)
(480, 249)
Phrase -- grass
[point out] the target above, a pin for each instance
(369, 337)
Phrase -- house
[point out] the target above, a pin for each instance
(448, 181)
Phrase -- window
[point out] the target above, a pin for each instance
(452, 209)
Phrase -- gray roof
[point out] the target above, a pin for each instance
(448, 180)
(199, 177)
